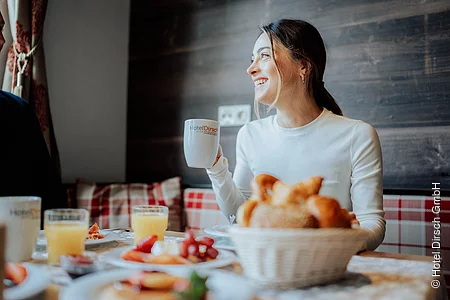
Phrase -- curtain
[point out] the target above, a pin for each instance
(25, 74)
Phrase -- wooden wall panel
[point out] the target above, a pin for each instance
(163, 158)
(335, 14)
(415, 157)
(408, 154)
(189, 26)
(388, 64)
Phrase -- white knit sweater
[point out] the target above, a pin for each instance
(345, 152)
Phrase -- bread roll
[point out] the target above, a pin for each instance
(291, 216)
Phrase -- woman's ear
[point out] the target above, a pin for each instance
(304, 70)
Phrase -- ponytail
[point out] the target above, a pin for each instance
(325, 100)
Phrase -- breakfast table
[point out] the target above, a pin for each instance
(370, 275)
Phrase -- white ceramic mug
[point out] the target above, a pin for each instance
(22, 216)
(201, 142)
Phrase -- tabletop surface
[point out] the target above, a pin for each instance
(371, 275)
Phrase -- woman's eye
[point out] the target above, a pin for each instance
(265, 55)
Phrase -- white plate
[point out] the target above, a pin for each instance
(223, 285)
(130, 237)
(42, 255)
(37, 280)
(109, 237)
(113, 257)
(225, 247)
(218, 230)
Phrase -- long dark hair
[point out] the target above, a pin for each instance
(305, 44)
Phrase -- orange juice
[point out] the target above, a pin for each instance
(65, 238)
(147, 224)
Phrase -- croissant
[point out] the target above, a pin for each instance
(261, 187)
(245, 211)
(275, 204)
(298, 193)
(328, 212)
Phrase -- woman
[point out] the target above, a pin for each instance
(308, 136)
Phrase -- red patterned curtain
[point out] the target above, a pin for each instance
(25, 73)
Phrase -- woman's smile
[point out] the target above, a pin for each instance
(259, 82)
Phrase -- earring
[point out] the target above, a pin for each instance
(303, 79)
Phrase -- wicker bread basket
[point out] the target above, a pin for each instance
(292, 258)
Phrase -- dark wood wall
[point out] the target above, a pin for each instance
(388, 64)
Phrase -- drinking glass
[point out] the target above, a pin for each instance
(147, 220)
(66, 231)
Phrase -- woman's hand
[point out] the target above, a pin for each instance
(355, 224)
(353, 221)
(219, 154)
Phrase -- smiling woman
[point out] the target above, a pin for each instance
(297, 53)
(308, 136)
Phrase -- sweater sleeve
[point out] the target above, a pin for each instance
(230, 191)
(367, 182)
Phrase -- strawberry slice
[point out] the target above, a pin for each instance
(206, 241)
(15, 272)
(146, 244)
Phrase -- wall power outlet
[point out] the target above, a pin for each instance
(234, 115)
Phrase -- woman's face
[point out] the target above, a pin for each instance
(264, 72)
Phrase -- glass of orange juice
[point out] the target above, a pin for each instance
(65, 231)
(147, 220)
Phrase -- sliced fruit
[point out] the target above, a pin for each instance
(133, 255)
(15, 272)
(206, 241)
(146, 244)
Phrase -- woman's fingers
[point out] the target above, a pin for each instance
(219, 154)
(353, 221)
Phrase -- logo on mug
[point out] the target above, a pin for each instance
(205, 129)
(32, 213)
